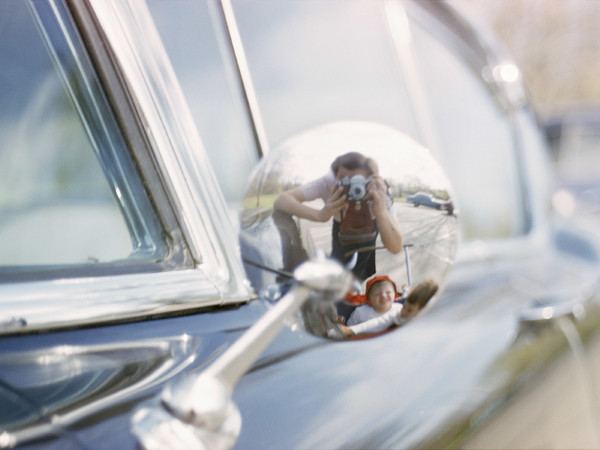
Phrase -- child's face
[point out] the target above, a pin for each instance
(409, 310)
(381, 296)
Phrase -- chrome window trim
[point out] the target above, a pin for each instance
(68, 302)
(245, 77)
(214, 274)
(178, 150)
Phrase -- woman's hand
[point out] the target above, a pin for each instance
(334, 204)
(292, 202)
(377, 192)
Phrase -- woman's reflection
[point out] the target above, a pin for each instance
(359, 201)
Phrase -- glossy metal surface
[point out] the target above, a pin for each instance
(59, 303)
(177, 146)
(69, 382)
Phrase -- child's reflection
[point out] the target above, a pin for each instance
(381, 312)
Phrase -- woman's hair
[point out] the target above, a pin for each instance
(353, 161)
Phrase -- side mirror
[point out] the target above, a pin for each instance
(273, 243)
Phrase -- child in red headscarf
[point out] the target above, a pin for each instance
(380, 313)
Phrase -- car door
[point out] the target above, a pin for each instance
(137, 223)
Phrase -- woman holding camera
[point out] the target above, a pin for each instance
(360, 207)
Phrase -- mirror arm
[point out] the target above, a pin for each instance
(198, 411)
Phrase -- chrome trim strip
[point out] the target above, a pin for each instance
(67, 302)
(244, 71)
(178, 354)
(399, 29)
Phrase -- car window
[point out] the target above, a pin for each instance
(194, 37)
(315, 62)
(473, 131)
(69, 191)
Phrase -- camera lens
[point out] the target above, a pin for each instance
(357, 192)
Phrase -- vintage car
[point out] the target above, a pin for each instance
(430, 201)
(152, 296)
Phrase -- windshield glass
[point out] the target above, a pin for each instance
(317, 62)
(195, 39)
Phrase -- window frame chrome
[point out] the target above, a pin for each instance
(161, 135)
(187, 176)
(245, 77)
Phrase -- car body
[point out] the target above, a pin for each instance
(134, 133)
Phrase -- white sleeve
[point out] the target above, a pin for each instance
(319, 188)
(355, 317)
(362, 313)
(381, 323)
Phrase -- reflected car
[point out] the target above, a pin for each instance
(152, 297)
(428, 200)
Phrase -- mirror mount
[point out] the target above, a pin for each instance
(198, 411)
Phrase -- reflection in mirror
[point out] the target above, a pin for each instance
(365, 193)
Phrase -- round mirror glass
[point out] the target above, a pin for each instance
(365, 194)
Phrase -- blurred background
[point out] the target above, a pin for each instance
(556, 43)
